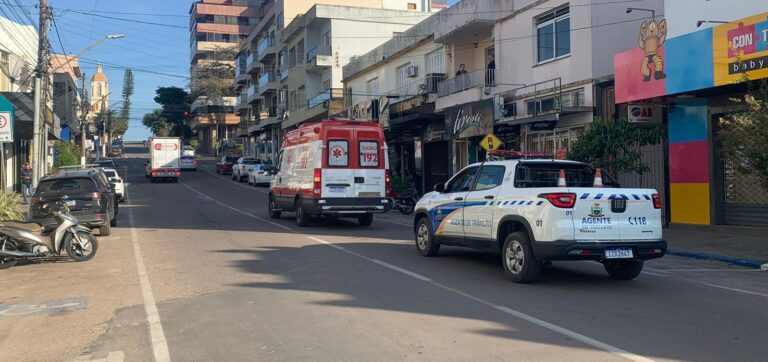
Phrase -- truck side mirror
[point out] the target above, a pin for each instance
(440, 187)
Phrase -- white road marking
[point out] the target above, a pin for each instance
(531, 319)
(703, 270)
(735, 289)
(156, 334)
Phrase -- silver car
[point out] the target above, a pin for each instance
(259, 175)
(188, 163)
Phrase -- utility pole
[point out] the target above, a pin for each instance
(85, 106)
(41, 81)
(102, 138)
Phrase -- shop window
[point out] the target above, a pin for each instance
(553, 35)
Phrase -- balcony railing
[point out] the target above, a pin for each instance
(264, 44)
(540, 99)
(266, 78)
(462, 82)
(318, 50)
(414, 87)
(325, 96)
(274, 111)
(284, 73)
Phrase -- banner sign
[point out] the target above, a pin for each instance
(470, 119)
(6, 127)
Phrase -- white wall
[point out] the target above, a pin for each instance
(683, 14)
(19, 41)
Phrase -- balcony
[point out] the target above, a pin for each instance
(253, 64)
(541, 101)
(242, 103)
(253, 94)
(416, 87)
(460, 83)
(266, 48)
(268, 82)
(319, 57)
(284, 73)
(318, 107)
(319, 99)
(241, 76)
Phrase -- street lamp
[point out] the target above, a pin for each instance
(653, 12)
(698, 23)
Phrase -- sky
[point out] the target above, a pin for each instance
(147, 49)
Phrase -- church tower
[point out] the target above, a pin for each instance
(99, 91)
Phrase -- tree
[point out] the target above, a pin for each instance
(118, 122)
(170, 119)
(744, 135)
(615, 145)
(155, 121)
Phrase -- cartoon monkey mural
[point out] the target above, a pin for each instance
(651, 38)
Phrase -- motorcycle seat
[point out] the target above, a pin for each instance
(29, 226)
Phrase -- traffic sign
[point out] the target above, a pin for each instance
(6, 127)
(490, 142)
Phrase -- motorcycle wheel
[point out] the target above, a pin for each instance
(81, 252)
(406, 209)
(7, 263)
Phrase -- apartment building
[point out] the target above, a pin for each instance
(537, 72)
(396, 83)
(216, 27)
(66, 94)
(296, 54)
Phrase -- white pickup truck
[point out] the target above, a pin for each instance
(535, 211)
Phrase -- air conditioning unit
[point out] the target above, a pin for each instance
(412, 71)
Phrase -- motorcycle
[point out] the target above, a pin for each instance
(405, 201)
(27, 240)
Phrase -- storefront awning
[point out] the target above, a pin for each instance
(540, 118)
(23, 112)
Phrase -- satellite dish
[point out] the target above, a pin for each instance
(14, 68)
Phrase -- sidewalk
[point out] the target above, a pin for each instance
(746, 246)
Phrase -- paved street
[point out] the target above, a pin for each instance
(196, 270)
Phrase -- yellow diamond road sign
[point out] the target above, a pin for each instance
(490, 142)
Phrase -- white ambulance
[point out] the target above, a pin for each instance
(336, 168)
(533, 211)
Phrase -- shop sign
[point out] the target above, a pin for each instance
(740, 49)
(643, 113)
(471, 119)
(366, 110)
(490, 142)
(6, 127)
(403, 107)
(542, 126)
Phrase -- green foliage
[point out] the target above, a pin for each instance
(744, 136)
(400, 182)
(9, 206)
(67, 154)
(118, 124)
(215, 77)
(155, 121)
(169, 120)
(615, 145)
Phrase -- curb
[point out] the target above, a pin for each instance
(721, 258)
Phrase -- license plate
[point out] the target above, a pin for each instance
(71, 202)
(337, 190)
(618, 254)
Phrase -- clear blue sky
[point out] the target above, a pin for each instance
(146, 48)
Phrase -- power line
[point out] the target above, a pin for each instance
(119, 66)
(61, 43)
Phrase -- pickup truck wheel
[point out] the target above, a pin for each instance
(365, 220)
(105, 230)
(271, 208)
(425, 239)
(302, 217)
(517, 256)
(623, 269)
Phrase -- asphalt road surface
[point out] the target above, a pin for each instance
(196, 271)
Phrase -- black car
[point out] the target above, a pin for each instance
(88, 194)
(106, 163)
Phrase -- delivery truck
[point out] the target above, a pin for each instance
(164, 155)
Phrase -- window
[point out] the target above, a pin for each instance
(411, 6)
(462, 182)
(553, 35)
(402, 74)
(294, 101)
(292, 57)
(326, 84)
(372, 88)
(369, 154)
(349, 97)
(338, 153)
(436, 62)
(490, 177)
(300, 51)
(302, 93)
(279, 20)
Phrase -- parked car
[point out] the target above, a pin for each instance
(225, 163)
(106, 163)
(88, 194)
(115, 179)
(539, 210)
(242, 167)
(188, 163)
(337, 168)
(187, 150)
(260, 175)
